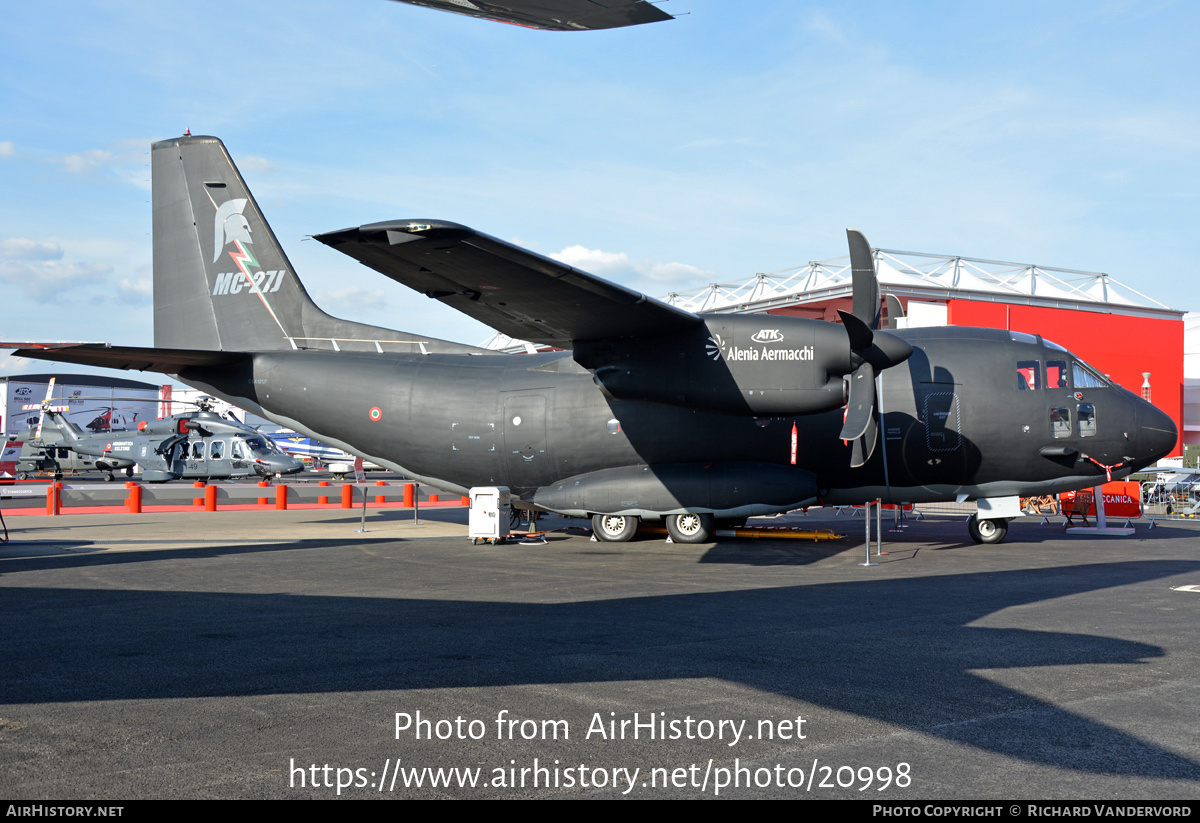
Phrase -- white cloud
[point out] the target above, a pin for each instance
(7, 149)
(82, 162)
(22, 248)
(135, 291)
(127, 160)
(46, 281)
(593, 260)
(673, 272)
(250, 162)
(600, 262)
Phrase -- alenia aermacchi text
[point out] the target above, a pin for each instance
(648, 411)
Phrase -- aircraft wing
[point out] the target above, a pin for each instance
(168, 361)
(555, 15)
(515, 291)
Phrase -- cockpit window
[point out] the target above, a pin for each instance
(258, 446)
(1056, 374)
(1028, 375)
(1085, 377)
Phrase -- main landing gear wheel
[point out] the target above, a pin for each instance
(614, 528)
(690, 528)
(987, 531)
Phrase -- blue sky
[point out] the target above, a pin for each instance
(742, 137)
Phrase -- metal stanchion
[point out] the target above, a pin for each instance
(867, 524)
(363, 528)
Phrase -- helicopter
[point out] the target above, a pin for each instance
(46, 451)
(200, 445)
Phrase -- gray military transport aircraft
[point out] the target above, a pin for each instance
(649, 411)
(555, 15)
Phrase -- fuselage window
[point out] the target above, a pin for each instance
(216, 451)
(1087, 419)
(1029, 375)
(1056, 374)
(1060, 422)
(1085, 378)
(198, 450)
(238, 450)
(63, 454)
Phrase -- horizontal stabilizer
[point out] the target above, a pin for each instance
(168, 361)
(515, 291)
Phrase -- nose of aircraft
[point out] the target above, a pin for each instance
(1156, 434)
(281, 464)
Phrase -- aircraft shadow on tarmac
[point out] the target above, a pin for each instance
(901, 651)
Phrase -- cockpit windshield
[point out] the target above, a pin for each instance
(258, 446)
(1085, 377)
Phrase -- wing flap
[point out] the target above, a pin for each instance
(513, 290)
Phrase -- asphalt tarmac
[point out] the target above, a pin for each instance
(284, 655)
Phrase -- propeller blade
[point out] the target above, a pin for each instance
(864, 281)
(864, 447)
(860, 410)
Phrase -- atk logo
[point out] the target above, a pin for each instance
(716, 348)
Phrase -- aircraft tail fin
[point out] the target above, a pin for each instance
(222, 282)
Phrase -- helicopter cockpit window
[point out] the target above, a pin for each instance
(1029, 375)
(216, 451)
(258, 446)
(239, 449)
(1085, 378)
(198, 450)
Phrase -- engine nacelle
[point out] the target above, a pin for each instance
(759, 365)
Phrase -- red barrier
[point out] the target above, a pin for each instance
(410, 495)
(210, 498)
(347, 496)
(262, 484)
(1122, 498)
(324, 498)
(281, 498)
(134, 501)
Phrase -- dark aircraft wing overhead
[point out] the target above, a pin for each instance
(168, 361)
(555, 15)
(517, 292)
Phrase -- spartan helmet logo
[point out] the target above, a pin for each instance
(230, 225)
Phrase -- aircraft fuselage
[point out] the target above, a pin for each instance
(954, 420)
